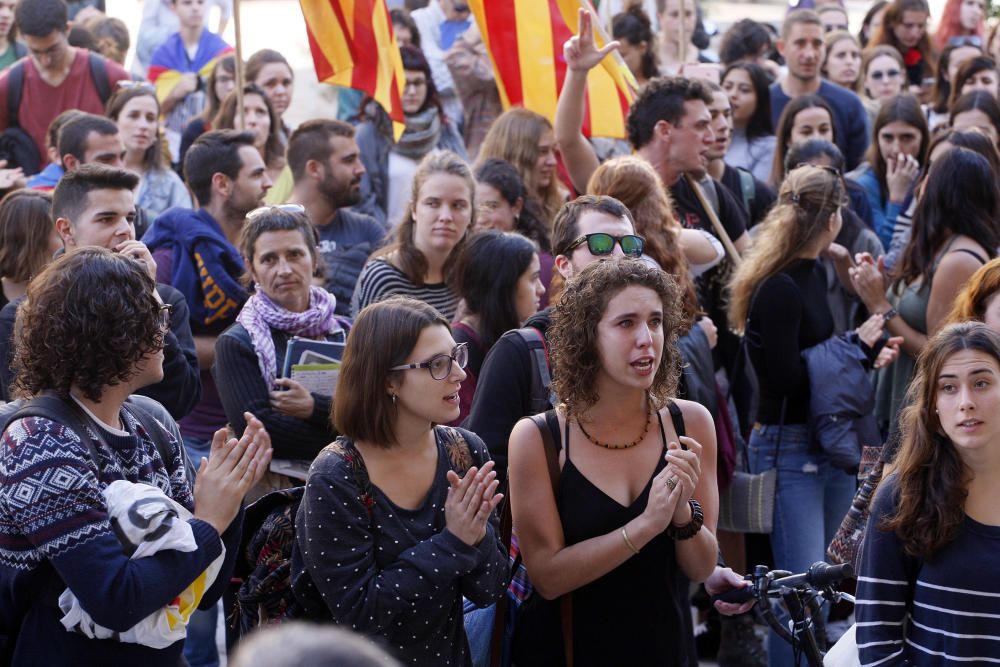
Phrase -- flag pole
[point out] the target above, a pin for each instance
(240, 113)
(681, 40)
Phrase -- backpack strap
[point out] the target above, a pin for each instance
(15, 86)
(65, 412)
(99, 75)
(541, 377)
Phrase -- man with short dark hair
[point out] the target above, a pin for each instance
(57, 76)
(94, 205)
(196, 252)
(326, 166)
(801, 43)
(91, 139)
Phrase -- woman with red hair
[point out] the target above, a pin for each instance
(961, 19)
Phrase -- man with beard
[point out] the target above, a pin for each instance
(326, 166)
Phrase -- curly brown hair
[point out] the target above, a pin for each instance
(89, 318)
(573, 333)
(932, 480)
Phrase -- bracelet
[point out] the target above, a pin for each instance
(692, 527)
(889, 314)
(628, 542)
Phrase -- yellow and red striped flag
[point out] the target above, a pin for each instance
(353, 45)
(525, 40)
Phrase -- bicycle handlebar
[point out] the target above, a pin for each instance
(820, 575)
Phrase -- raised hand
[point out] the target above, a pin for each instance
(470, 501)
(900, 174)
(868, 280)
(580, 52)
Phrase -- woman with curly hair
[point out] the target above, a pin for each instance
(930, 583)
(618, 512)
(636, 43)
(93, 329)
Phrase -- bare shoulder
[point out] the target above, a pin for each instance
(696, 416)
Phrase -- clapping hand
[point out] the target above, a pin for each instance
(231, 469)
(471, 499)
(868, 280)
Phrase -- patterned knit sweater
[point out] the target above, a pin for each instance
(55, 533)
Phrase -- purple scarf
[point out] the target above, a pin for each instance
(260, 314)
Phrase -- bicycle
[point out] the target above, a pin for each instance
(800, 593)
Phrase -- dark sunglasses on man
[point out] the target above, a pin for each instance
(600, 243)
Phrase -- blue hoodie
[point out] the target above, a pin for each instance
(206, 266)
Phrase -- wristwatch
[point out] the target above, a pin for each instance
(889, 314)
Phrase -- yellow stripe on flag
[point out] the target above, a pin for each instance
(329, 34)
(535, 52)
(478, 8)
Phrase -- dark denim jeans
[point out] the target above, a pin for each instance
(200, 649)
(811, 499)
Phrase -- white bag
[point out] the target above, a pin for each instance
(147, 521)
(845, 652)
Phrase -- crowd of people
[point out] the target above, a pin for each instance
(799, 208)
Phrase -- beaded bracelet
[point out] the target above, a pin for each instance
(692, 527)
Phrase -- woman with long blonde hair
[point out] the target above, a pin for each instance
(778, 302)
(526, 140)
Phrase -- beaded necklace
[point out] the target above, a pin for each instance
(606, 445)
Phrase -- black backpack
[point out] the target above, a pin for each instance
(271, 589)
(541, 377)
(16, 146)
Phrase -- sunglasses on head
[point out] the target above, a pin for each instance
(600, 243)
(888, 74)
(286, 208)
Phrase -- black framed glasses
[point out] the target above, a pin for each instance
(600, 243)
(286, 208)
(440, 364)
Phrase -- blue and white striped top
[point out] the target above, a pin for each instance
(943, 611)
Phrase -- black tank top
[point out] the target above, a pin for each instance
(637, 614)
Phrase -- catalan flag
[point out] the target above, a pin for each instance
(353, 45)
(525, 40)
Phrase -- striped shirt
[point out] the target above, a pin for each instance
(380, 279)
(942, 611)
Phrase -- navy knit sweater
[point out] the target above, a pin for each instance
(55, 533)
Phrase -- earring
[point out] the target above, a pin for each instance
(393, 399)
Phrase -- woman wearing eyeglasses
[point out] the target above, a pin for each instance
(420, 264)
(617, 514)
(279, 250)
(397, 521)
(778, 300)
(137, 112)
